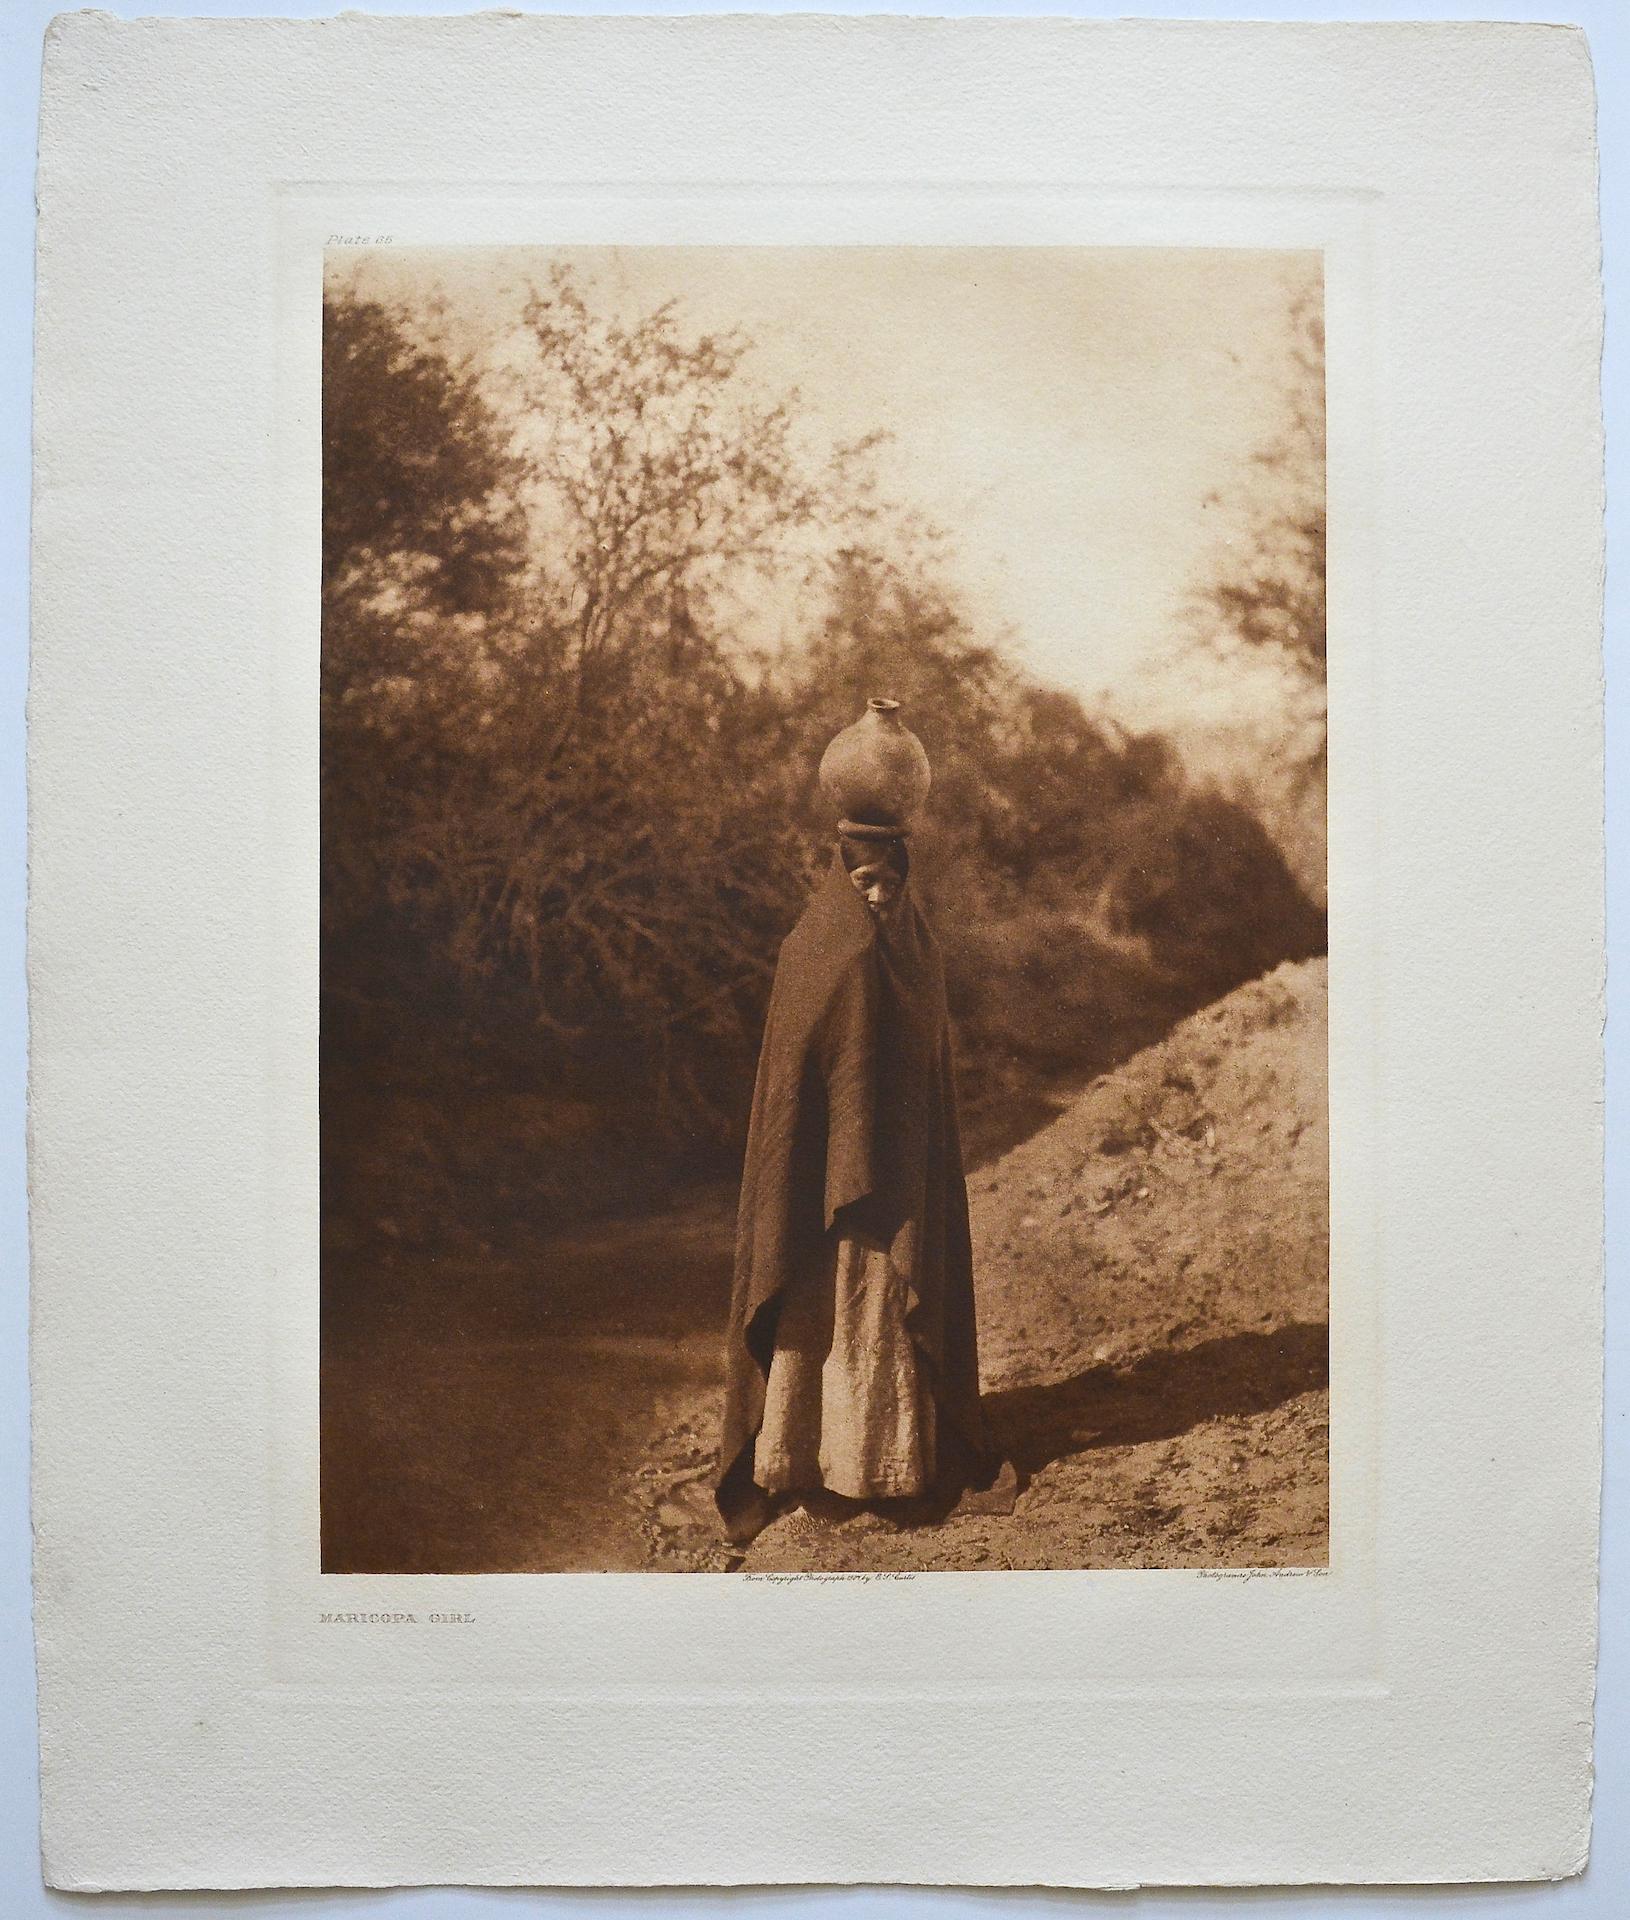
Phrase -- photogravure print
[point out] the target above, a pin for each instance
(823, 1027)
(729, 978)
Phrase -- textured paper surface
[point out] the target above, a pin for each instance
(1420, 1712)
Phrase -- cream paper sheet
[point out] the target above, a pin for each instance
(1422, 1710)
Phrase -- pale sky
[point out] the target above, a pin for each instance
(1061, 413)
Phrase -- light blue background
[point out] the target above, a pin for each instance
(1604, 1891)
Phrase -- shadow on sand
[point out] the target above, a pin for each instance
(1159, 1396)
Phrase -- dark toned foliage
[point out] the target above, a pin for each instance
(417, 487)
(568, 815)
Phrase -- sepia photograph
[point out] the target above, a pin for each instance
(815, 974)
(823, 1026)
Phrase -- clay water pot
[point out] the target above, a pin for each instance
(875, 773)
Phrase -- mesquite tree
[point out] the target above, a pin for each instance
(1267, 593)
(569, 805)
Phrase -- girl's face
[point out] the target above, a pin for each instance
(878, 883)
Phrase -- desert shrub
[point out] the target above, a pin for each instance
(568, 814)
(1258, 608)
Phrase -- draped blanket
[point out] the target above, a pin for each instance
(854, 1129)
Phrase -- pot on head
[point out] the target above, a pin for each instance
(875, 774)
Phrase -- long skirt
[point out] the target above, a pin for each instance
(846, 1406)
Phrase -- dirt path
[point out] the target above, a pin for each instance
(1152, 1292)
(483, 1414)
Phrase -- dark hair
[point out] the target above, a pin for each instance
(866, 853)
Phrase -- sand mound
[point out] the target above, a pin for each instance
(1181, 1196)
